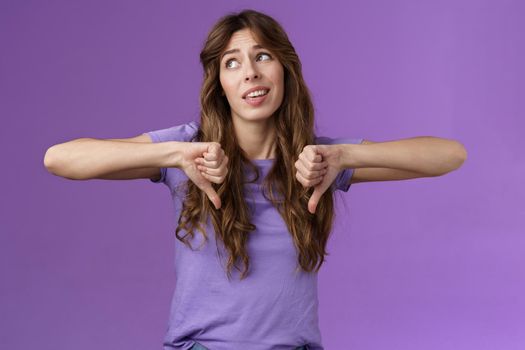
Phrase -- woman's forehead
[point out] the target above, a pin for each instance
(242, 38)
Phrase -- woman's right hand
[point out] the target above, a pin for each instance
(204, 163)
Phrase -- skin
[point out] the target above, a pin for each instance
(245, 69)
(318, 165)
(254, 128)
(249, 67)
(204, 163)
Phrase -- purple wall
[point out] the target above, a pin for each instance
(432, 263)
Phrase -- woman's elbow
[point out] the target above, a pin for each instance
(49, 161)
(459, 156)
(55, 165)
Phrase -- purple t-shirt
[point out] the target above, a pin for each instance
(274, 307)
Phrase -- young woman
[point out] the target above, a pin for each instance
(253, 190)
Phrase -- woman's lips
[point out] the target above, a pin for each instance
(255, 101)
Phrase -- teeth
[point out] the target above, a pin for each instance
(257, 93)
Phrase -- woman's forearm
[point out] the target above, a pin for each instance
(89, 158)
(428, 155)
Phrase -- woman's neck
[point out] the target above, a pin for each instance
(256, 138)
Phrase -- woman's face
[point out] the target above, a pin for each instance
(246, 65)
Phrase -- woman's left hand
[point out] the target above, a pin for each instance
(318, 166)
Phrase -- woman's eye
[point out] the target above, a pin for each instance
(265, 54)
(228, 63)
(233, 63)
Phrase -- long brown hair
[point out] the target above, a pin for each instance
(294, 127)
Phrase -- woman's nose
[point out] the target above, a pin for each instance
(251, 77)
(251, 72)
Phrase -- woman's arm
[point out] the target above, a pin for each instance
(89, 158)
(422, 156)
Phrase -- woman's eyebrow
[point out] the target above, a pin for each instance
(237, 50)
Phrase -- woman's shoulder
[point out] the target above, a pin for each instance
(180, 132)
(326, 140)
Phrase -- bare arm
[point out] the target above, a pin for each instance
(423, 156)
(89, 158)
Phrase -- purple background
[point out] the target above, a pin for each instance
(431, 263)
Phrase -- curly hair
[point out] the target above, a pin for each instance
(294, 128)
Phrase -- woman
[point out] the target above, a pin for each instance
(257, 184)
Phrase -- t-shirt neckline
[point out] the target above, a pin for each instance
(263, 160)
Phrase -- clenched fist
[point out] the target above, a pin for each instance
(204, 163)
(318, 166)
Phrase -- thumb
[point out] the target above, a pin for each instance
(314, 199)
(212, 195)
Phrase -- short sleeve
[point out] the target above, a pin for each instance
(182, 132)
(342, 181)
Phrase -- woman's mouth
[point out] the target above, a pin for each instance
(256, 98)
